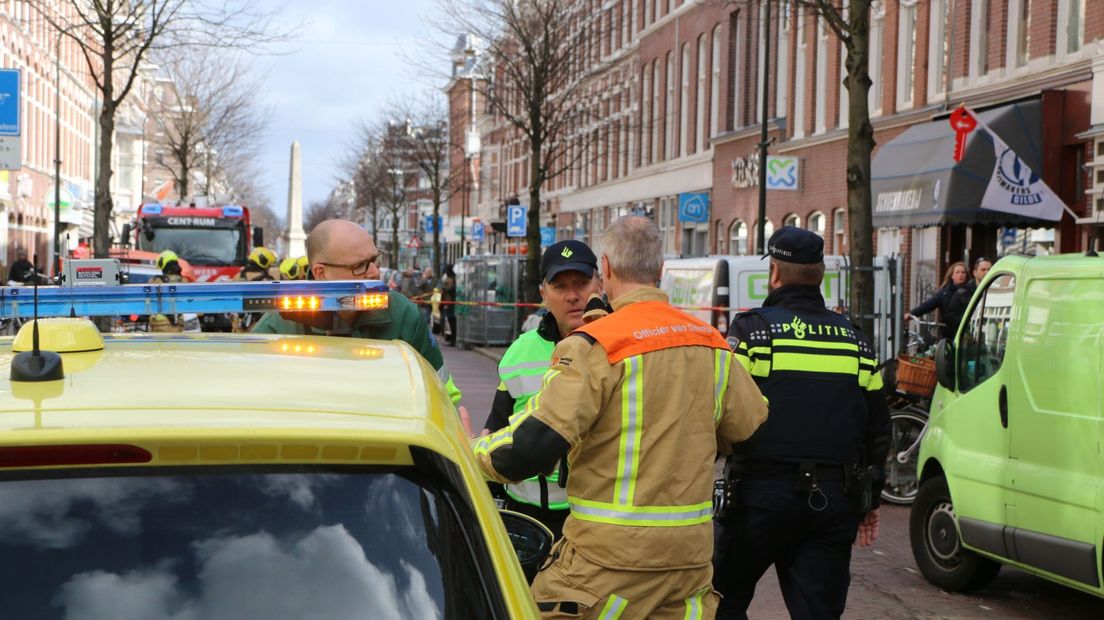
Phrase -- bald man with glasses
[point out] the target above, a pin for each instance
(343, 250)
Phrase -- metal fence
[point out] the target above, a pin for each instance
(488, 278)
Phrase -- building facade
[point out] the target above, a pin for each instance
(677, 90)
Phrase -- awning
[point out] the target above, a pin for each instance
(915, 180)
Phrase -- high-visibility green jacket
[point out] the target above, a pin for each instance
(520, 372)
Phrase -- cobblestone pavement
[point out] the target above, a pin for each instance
(885, 582)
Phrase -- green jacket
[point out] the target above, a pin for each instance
(400, 321)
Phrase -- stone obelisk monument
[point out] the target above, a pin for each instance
(295, 238)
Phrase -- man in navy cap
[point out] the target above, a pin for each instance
(569, 277)
(805, 486)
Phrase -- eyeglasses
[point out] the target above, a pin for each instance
(357, 269)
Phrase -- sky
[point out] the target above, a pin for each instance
(344, 66)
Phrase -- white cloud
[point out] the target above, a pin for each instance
(323, 575)
(298, 488)
(43, 512)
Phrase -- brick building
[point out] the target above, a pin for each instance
(677, 87)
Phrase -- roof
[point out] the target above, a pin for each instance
(230, 381)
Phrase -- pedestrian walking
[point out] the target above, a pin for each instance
(942, 300)
(569, 276)
(639, 402)
(343, 250)
(807, 483)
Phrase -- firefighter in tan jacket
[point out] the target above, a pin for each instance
(640, 401)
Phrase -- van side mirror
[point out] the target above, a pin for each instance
(945, 363)
(258, 237)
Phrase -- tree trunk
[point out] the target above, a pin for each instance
(183, 182)
(860, 145)
(101, 227)
(532, 226)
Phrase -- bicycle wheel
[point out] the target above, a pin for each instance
(902, 479)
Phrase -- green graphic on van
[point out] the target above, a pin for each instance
(757, 287)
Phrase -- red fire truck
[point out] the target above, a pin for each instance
(215, 240)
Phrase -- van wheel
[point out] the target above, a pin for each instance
(936, 546)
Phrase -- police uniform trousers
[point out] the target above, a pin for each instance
(570, 586)
(810, 549)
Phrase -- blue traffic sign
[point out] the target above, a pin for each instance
(477, 231)
(427, 222)
(9, 102)
(515, 220)
(548, 235)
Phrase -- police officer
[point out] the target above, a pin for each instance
(569, 276)
(800, 488)
(639, 401)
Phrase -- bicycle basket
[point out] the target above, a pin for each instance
(916, 375)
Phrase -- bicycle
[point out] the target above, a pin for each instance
(908, 416)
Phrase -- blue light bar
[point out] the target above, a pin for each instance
(153, 208)
(232, 211)
(305, 296)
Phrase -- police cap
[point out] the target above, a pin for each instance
(570, 255)
(796, 245)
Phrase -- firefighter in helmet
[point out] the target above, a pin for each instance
(261, 266)
(294, 268)
(169, 264)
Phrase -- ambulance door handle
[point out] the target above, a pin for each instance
(1002, 404)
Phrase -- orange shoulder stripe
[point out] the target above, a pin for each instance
(649, 326)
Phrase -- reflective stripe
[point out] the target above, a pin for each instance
(615, 606)
(628, 457)
(694, 605)
(812, 362)
(523, 385)
(644, 516)
(815, 344)
(528, 492)
(720, 383)
(503, 371)
(759, 361)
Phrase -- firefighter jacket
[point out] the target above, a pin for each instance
(641, 401)
(520, 371)
(819, 374)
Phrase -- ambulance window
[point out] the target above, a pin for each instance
(983, 342)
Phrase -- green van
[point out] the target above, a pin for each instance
(1011, 470)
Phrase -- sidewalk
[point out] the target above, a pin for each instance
(492, 353)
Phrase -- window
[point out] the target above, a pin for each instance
(792, 219)
(768, 230)
(715, 84)
(839, 231)
(800, 85)
(906, 53)
(656, 89)
(877, 28)
(738, 238)
(669, 112)
(938, 48)
(782, 84)
(1073, 21)
(684, 103)
(735, 62)
(668, 214)
(821, 94)
(764, 36)
(646, 117)
(985, 334)
(241, 542)
(843, 120)
(981, 58)
(816, 223)
(720, 237)
(1023, 32)
(700, 139)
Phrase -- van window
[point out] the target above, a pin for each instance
(985, 335)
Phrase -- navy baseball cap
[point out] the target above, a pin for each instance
(570, 255)
(796, 245)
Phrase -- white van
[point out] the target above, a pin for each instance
(715, 288)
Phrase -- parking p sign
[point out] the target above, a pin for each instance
(515, 220)
(11, 126)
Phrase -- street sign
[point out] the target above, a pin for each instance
(427, 222)
(515, 220)
(548, 235)
(414, 243)
(694, 207)
(477, 231)
(1008, 236)
(782, 172)
(11, 126)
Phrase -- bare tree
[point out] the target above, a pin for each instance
(209, 118)
(115, 38)
(240, 178)
(319, 211)
(539, 57)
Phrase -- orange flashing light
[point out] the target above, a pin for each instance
(372, 301)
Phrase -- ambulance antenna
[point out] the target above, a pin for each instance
(36, 364)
